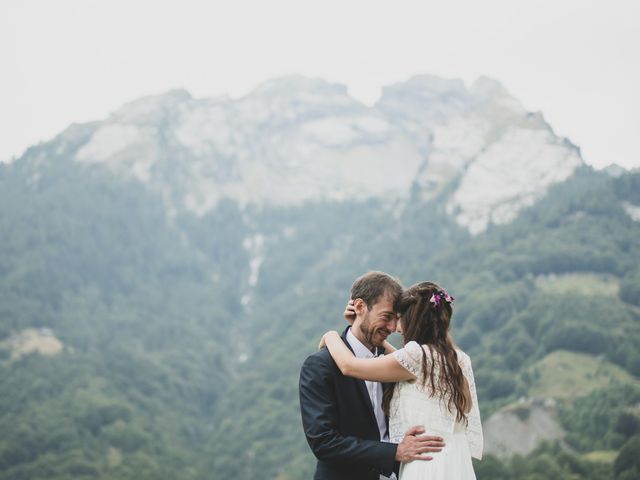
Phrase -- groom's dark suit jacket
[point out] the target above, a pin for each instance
(339, 423)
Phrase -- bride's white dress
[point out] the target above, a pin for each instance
(415, 404)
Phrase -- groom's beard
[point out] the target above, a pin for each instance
(368, 334)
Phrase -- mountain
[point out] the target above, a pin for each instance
(296, 139)
(167, 270)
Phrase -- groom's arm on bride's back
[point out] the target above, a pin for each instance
(319, 410)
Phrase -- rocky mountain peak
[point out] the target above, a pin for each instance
(152, 109)
(425, 100)
(486, 89)
(426, 86)
(296, 139)
(285, 101)
(292, 85)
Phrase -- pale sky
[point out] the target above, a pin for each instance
(65, 61)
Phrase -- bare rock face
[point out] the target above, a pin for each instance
(291, 140)
(499, 157)
(34, 340)
(297, 139)
(519, 428)
(632, 210)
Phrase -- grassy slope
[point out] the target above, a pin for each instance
(566, 375)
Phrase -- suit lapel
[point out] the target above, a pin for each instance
(362, 387)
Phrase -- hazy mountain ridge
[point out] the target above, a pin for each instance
(298, 139)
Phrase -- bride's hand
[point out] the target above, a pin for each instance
(323, 342)
(350, 312)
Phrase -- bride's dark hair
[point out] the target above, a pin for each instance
(425, 316)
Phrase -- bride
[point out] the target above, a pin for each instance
(434, 384)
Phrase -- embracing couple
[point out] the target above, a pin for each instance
(372, 412)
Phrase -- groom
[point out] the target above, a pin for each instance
(342, 416)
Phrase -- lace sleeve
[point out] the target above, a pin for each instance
(474, 427)
(410, 357)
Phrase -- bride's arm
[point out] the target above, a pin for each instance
(381, 369)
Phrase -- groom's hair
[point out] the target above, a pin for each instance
(372, 286)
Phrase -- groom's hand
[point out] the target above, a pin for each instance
(412, 446)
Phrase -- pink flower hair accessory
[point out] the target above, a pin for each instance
(439, 297)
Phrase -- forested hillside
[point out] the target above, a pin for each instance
(181, 336)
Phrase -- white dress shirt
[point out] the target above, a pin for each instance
(374, 388)
(375, 392)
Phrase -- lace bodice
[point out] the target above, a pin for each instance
(415, 404)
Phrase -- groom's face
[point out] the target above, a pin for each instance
(379, 322)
